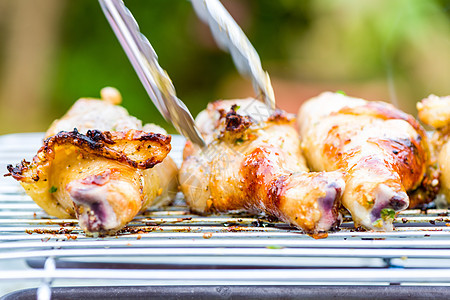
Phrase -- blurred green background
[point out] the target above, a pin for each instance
(53, 52)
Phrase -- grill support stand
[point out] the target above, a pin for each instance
(44, 291)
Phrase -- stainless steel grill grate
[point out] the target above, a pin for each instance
(171, 246)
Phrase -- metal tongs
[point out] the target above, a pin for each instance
(155, 79)
(229, 36)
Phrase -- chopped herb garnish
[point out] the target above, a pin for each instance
(235, 107)
(274, 247)
(378, 223)
(341, 92)
(53, 189)
(387, 213)
(239, 141)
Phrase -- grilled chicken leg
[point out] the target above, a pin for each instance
(381, 150)
(435, 111)
(253, 161)
(104, 173)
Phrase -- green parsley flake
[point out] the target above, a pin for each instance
(378, 223)
(53, 189)
(239, 141)
(274, 247)
(387, 213)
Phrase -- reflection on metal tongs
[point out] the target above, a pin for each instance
(230, 36)
(145, 62)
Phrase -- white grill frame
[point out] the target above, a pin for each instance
(180, 248)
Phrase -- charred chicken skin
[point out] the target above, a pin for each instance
(101, 175)
(435, 111)
(253, 161)
(381, 151)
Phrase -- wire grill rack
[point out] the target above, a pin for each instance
(173, 247)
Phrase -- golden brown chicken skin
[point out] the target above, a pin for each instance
(382, 152)
(435, 111)
(104, 178)
(257, 166)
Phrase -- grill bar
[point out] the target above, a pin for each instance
(241, 277)
(224, 241)
(235, 252)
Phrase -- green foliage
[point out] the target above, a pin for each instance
(329, 41)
